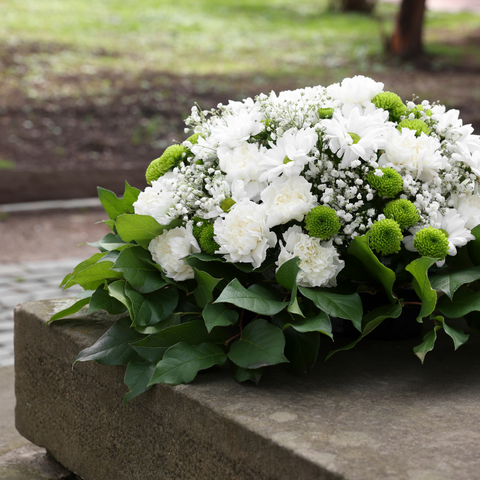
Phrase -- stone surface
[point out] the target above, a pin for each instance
(371, 413)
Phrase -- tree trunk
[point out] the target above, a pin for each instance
(406, 41)
(357, 5)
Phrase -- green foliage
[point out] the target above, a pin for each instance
(421, 284)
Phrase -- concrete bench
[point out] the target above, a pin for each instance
(371, 413)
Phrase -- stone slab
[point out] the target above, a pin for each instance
(371, 413)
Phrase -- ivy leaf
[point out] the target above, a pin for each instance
(256, 299)
(449, 283)
(421, 284)
(82, 266)
(261, 344)
(243, 374)
(348, 307)
(360, 249)
(205, 286)
(117, 291)
(154, 346)
(464, 302)
(316, 322)
(92, 276)
(458, 336)
(135, 265)
(137, 376)
(173, 319)
(182, 362)
(113, 205)
(427, 345)
(219, 315)
(153, 307)
(78, 305)
(287, 277)
(301, 349)
(102, 300)
(141, 228)
(113, 347)
(130, 197)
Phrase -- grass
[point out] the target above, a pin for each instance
(273, 38)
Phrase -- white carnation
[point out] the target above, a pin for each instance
(243, 234)
(170, 249)
(319, 264)
(287, 198)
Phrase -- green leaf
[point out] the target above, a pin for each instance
(92, 276)
(427, 345)
(113, 347)
(317, 322)
(102, 300)
(301, 349)
(110, 242)
(286, 275)
(82, 266)
(449, 283)
(182, 362)
(113, 205)
(473, 246)
(69, 310)
(153, 307)
(154, 346)
(173, 319)
(117, 291)
(348, 307)
(205, 285)
(135, 264)
(360, 249)
(260, 344)
(258, 299)
(110, 224)
(141, 228)
(464, 302)
(130, 197)
(458, 336)
(219, 315)
(421, 284)
(137, 376)
(243, 374)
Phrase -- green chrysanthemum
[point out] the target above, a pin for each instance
(389, 184)
(198, 226)
(403, 212)
(391, 102)
(170, 158)
(207, 243)
(418, 125)
(322, 222)
(386, 236)
(193, 139)
(227, 204)
(325, 112)
(431, 242)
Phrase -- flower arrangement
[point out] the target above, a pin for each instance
(275, 218)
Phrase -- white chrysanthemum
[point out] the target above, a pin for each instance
(469, 207)
(319, 264)
(358, 90)
(454, 224)
(287, 198)
(289, 155)
(243, 234)
(243, 163)
(203, 149)
(465, 156)
(157, 201)
(232, 130)
(170, 249)
(418, 156)
(354, 135)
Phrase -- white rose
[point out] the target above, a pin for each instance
(319, 264)
(243, 234)
(170, 249)
(287, 198)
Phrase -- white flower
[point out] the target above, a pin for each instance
(319, 264)
(157, 201)
(471, 159)
(469, 207)
(287, 198)
(454, 224)
(170, 249)
(243, 163)
(289, 155)
(358, 90)
(243, 234)
(418, 156)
